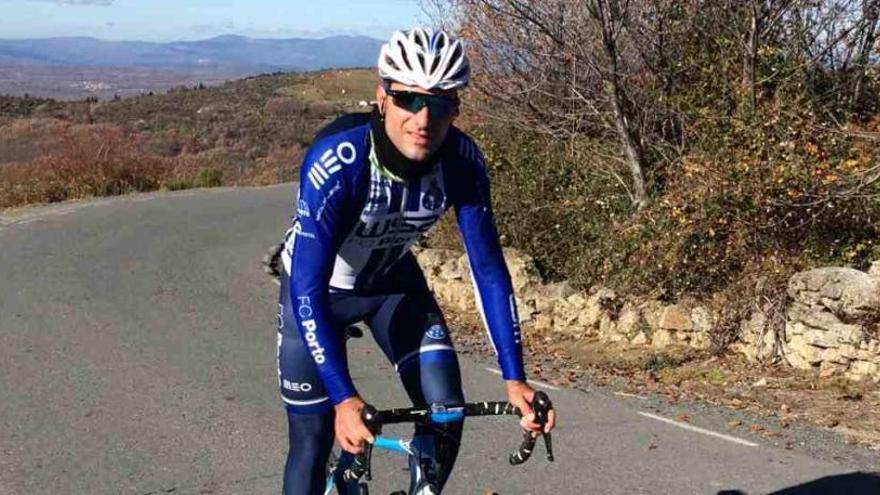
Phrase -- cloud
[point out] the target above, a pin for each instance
(102, 3)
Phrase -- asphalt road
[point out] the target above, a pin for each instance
(137, 356)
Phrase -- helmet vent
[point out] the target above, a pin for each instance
(403, 52)
(462, 73)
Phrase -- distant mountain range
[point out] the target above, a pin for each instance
(223, 54)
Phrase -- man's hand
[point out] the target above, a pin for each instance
(351, 433)
(521, 394)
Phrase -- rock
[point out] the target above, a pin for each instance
(822, 328)
(592, 311)
(865, 356)
(801, 354)
(464, 298)
(846, 292)
(577, 300)
(760, 383)
(640, 339)
(759, 342)
(432, 259)
(607, 328)
(662, 338)
(675, 318)
(565, 313)
(818, 318)
(543, 322)
(628, 320)
(652, 312)
(832, 356)
(827, 370)
(451, 270)
(527, 309)
(874, 270)
(702, 319)
(542, 303)
(701, 340)
(523, 272)
(848, 351)
(863, 368)
(590, 315)
(820, 338)
(557, 290)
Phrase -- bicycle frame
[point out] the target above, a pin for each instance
(399, 446)
(396, 445)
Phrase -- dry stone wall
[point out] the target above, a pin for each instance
(832, 323)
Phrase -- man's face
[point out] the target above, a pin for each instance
(419, 134)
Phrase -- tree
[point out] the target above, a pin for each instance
(559, 68)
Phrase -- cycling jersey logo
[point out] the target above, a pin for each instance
(433, 197)
(296, 386)
(310, 327)
(336, 187)
(436, 332)
(298, 231)
(392, 231)
(329, 163)
(302, 209)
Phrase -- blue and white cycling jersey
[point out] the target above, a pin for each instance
(353, 222)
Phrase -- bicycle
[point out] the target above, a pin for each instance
(356, 470)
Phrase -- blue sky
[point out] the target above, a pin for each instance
(167, 20)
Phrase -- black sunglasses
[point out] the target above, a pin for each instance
(438, 105)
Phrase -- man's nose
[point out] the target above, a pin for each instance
(423, 116)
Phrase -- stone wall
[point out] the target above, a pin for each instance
(831, 322)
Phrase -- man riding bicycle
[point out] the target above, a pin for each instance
(370, 186)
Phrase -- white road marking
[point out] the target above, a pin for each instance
(629, 395)
(699, 430)
(533, 382)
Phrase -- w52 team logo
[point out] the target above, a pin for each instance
(329, 163)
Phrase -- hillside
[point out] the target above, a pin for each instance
(245, 132)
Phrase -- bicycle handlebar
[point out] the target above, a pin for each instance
(375, 420)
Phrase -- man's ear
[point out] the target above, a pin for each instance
(380, 99)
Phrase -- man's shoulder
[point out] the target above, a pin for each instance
(338, 147)
(461, 150)
(344, 124)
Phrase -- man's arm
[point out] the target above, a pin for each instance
(492, 286)
(317, 234)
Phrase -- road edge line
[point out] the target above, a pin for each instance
(697, 429)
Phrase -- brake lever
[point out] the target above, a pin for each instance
(542, 406)
(362, 465)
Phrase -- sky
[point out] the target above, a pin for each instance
(171, 20)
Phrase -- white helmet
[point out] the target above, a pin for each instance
(424, 58)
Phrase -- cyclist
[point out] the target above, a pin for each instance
(370, 186)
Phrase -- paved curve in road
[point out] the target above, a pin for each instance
(137, 353)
